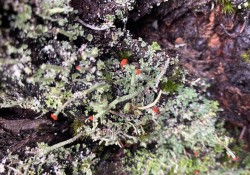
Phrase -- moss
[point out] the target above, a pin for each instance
(76, 125)
(168, 86)
(227, 7)
(230, 6)
(246, 57)
(124, 54)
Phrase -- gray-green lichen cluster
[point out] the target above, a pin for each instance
(52, 60)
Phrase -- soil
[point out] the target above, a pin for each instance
(209, 45)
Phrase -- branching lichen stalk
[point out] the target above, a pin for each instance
(61, 144)
(151, 104)
(164, 70)
(78, 95)
(93, 27)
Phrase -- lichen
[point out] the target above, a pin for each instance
(53, 61)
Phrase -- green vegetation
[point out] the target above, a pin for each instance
(230, 6)
(50, 60)
(227, 7)
(246, 56)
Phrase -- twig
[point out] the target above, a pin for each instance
(152, 104)
(91, 26)
(245, 22)
(229, 151)
(229, 34)
(40, 115)
(15, 170)
(114, 112)
(242, 133)
(238, 33)
(133, 127)
(161, 74)
(117, 113)
(195, 81)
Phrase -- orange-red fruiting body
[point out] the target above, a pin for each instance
(78, 67)
(156, 109)
(54, 117)
(138, 71)
(91, 118)
(124, 62)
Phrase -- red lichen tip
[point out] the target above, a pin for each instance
(91, 118)
(236, 158)
(196, 153)
(197, 172)
(138, 72)
(78, 68)
(54, 117)
(124, 62)
(156, 109)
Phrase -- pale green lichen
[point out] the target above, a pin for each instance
(63, 65)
